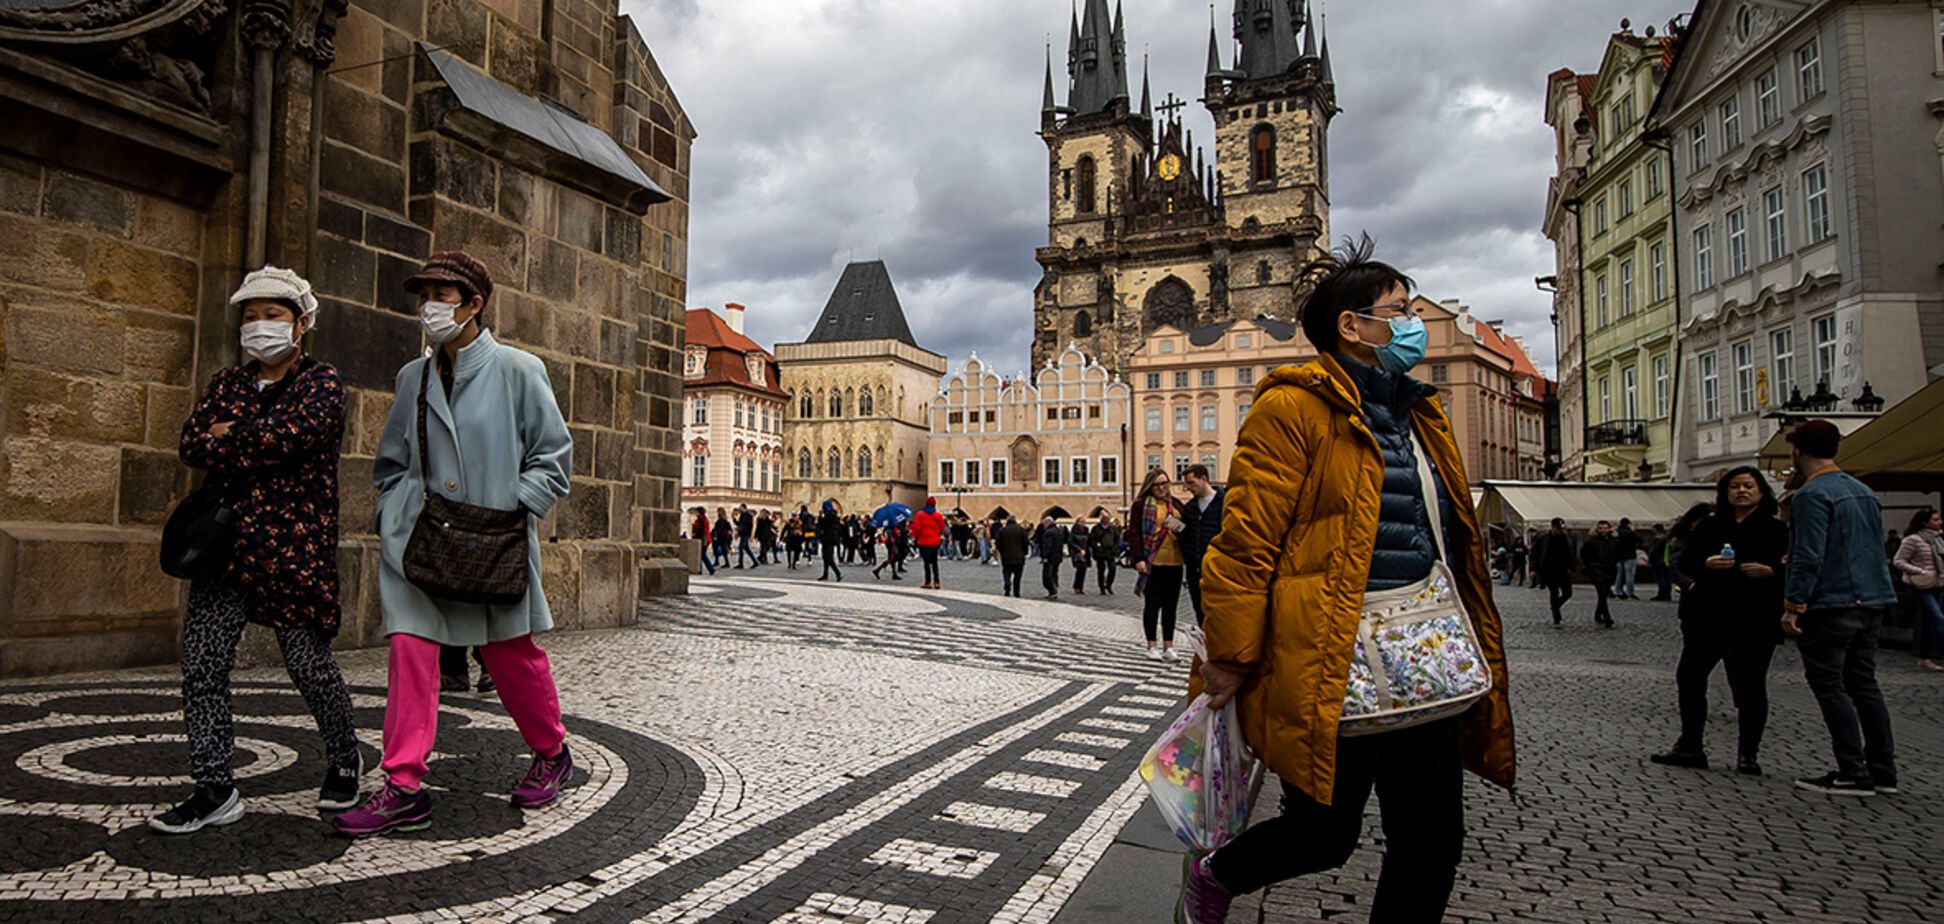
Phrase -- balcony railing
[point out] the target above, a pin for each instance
(1617, 433)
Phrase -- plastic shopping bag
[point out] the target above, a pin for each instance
(1202, 776)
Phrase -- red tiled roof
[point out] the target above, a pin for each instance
(727, 362)
(1522, 365)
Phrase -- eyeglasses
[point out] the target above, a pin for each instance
(1406, 309)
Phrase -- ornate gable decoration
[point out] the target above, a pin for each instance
(1746, 25)
(1168, 192)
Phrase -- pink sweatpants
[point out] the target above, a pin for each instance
(526, 689)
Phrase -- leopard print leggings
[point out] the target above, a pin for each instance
(211, 628)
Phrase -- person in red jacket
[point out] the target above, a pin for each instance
(928, 531)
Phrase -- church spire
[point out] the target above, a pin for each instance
(1048, 103)
(1268, 30)
(1147, 104)
(1308, 26)
(1329, 77)
(1214, 47)
(1098, 61)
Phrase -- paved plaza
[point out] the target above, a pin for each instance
(773, 749)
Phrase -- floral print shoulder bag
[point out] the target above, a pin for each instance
(1417, 658)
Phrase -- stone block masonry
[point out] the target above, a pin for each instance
(121, 252)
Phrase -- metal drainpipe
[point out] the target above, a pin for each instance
(1579, 296)
(262, 59)
(319, 74)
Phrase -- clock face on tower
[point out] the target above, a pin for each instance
(1169, 167)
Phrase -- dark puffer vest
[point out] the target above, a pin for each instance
(1405, 549)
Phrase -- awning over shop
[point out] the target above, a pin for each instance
(1902, 449)
(1523, 504)
(1775, 453)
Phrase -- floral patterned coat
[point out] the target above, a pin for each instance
(278, 466)
(1283, 583)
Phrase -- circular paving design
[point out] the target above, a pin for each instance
(82, 767)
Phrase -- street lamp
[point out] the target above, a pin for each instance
(1646, 470)
(1823, 400)
(1868, 402)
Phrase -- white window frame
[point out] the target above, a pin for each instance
(996, 472)
(1153, 464)
(1743, 352)
(1708, 380)
(1737, 219)
(1731, 123)
(701, 418)
(1606, 398)
(1245, 376)
(1052, 465)
(1211, 418)
(1079, 471)
(1207, 378)
(1662, 379)
(1154, 417)
(1655, 183)
(1600, 316)
(1768, 99)
(1775, 205)
(1599, 215)
(971, 469)
(1781, 364)
(1153, 381)
(1180, 378)
(1181, 462)
(1630, 392)
(1703, 258)
(1698, 146)
(948, 472)
(1626, 288)
(1822, 339)
(1657, 263)
(1108, 468)
(1815, 201)
(699, 471)
(1183, 419)
(1626, 197)
(1809, 76)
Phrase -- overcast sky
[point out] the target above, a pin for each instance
(838, 130)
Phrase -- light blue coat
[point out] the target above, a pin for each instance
(513, 449)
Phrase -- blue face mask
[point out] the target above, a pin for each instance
(1407, 344)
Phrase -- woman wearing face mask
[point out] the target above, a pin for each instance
(493, 437)
(1325, 503)
(267, 433)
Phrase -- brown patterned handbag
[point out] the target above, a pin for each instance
(460, 551)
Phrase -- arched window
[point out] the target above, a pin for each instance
(1082, 325)
(807, 408)
(803, 464)
(1171, 301)
(850, 399)
(865, 406)
(836, 464)
(836, 404)
(1262, 155)
(1086, 204)
(863, 462)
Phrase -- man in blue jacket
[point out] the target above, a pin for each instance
(1837, 592)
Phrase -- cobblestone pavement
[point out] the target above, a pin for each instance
(776, 749)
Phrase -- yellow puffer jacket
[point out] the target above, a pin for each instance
(1283, 582)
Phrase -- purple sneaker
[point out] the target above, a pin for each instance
(544, 779)
(392, 808)
(1203, 899)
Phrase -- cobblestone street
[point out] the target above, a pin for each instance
(775, 749)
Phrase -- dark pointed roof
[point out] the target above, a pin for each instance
(863, 306)
(1268, 31)
(1047, 103)
(1097, 61)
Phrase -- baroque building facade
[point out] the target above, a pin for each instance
(1053, 445)
(858, 409)
(1142, 229)
(156, 150)
(1627, 274)
(1808, 150)
(1569, 113)
(732, 416)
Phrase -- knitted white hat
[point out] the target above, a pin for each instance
(284, 285)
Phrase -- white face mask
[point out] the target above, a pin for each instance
(269, 342)
(437, 320)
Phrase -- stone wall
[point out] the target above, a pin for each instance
(123, 250)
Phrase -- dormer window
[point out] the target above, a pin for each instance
(693, 363)
(755, 365)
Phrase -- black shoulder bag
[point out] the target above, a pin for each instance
(460, 551)
(200, 537)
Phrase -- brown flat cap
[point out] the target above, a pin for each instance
(456, 266)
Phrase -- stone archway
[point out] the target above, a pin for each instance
(1170, 301)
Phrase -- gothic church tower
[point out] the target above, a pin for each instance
(1142, 230)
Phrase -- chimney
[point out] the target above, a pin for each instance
(735, 313)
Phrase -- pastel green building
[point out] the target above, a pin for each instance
(1627, 271)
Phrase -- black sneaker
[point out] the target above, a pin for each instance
(1830, 784)
(1693, 760)
(207, 806)
(486, 684)
(453, 683)
(1747, 766)
(340, 789)
(1886, 789)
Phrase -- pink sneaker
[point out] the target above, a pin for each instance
(544, 779)
(1203, 899)
(392, 808)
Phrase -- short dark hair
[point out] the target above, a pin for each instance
(1198, 470)
(1346, 280)
(1604, 523)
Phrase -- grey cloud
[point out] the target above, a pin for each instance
(870, 128)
